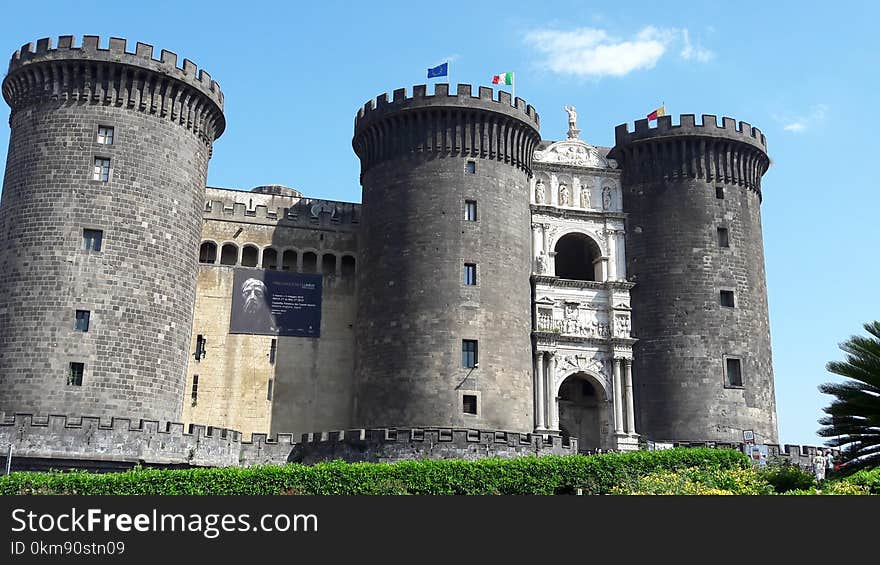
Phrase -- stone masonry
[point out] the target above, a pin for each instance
(613, 295)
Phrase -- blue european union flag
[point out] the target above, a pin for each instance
(438, 71)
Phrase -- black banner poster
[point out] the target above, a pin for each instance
(276, 303)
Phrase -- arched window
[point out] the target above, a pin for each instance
(578, 258)
(208, 252)
(288, 261)
(328, 264)
(270, 259)
(348, 266)
(229, 254)
(310, 262)
(249, 256)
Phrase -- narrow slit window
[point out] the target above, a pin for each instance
(270, 389)
(723, 237)
(719, 192)
(470, 210)
(469, 358)
(469, 404)
(272, 351)
(75, 374)
(82, 320)
(201, 347)
(195, 389)
(470, 274)
(92, 240)
(470, 167)
(733, 369)
(105, 135)
(727, 299)
(102, 169)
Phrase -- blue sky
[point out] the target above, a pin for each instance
(294, 75)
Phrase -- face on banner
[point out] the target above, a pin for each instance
(276, 303)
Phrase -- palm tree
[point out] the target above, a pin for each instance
(852, 421)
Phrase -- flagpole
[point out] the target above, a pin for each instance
(513, 84)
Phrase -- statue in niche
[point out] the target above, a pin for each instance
(585, 198)
(539, 191)
(606, 198)
(563, 194)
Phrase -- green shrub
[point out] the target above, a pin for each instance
(700, 481)
(868, 478)
(597, 474)
(785, 477)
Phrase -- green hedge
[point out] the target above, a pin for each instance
(596, 474)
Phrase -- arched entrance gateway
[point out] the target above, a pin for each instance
(582, 411)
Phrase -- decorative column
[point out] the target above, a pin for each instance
(612, 252)
(540, 424)
(618, 397)
(536, 243)
(630, 414)
(545, 229)
(551, 395)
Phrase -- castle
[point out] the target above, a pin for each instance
(494, 294)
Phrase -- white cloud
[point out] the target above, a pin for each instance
(815, 116)
(592, 52)
(694, 51)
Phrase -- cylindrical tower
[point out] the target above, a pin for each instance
(100, 223)
(443, 282)
(694, 249)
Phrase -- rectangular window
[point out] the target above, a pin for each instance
(470, 167)
(470, 273)
(105, 135)
(270, 389)
(201, 343)
(719, 192)
(733, 368)
(727, 298)
(469, 403)
(92, 240)
(82, 321)
(470, 210)
(102, 169)
(75, 374)
(272, 349)
(469, 353)
(723, 237)
(195, 389)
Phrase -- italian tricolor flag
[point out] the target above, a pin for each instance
(503, 78)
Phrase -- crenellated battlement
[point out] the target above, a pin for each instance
(142, 56)
(308, 212)
(443, 124)
(687, 126)
(114, 76)
(733, 153)
(380, 106)
(396, 444)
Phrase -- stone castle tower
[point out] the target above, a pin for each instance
(494, 293)
(443, 337)
(695, 252)
(100, 224)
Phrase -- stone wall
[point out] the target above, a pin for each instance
(310, 377)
